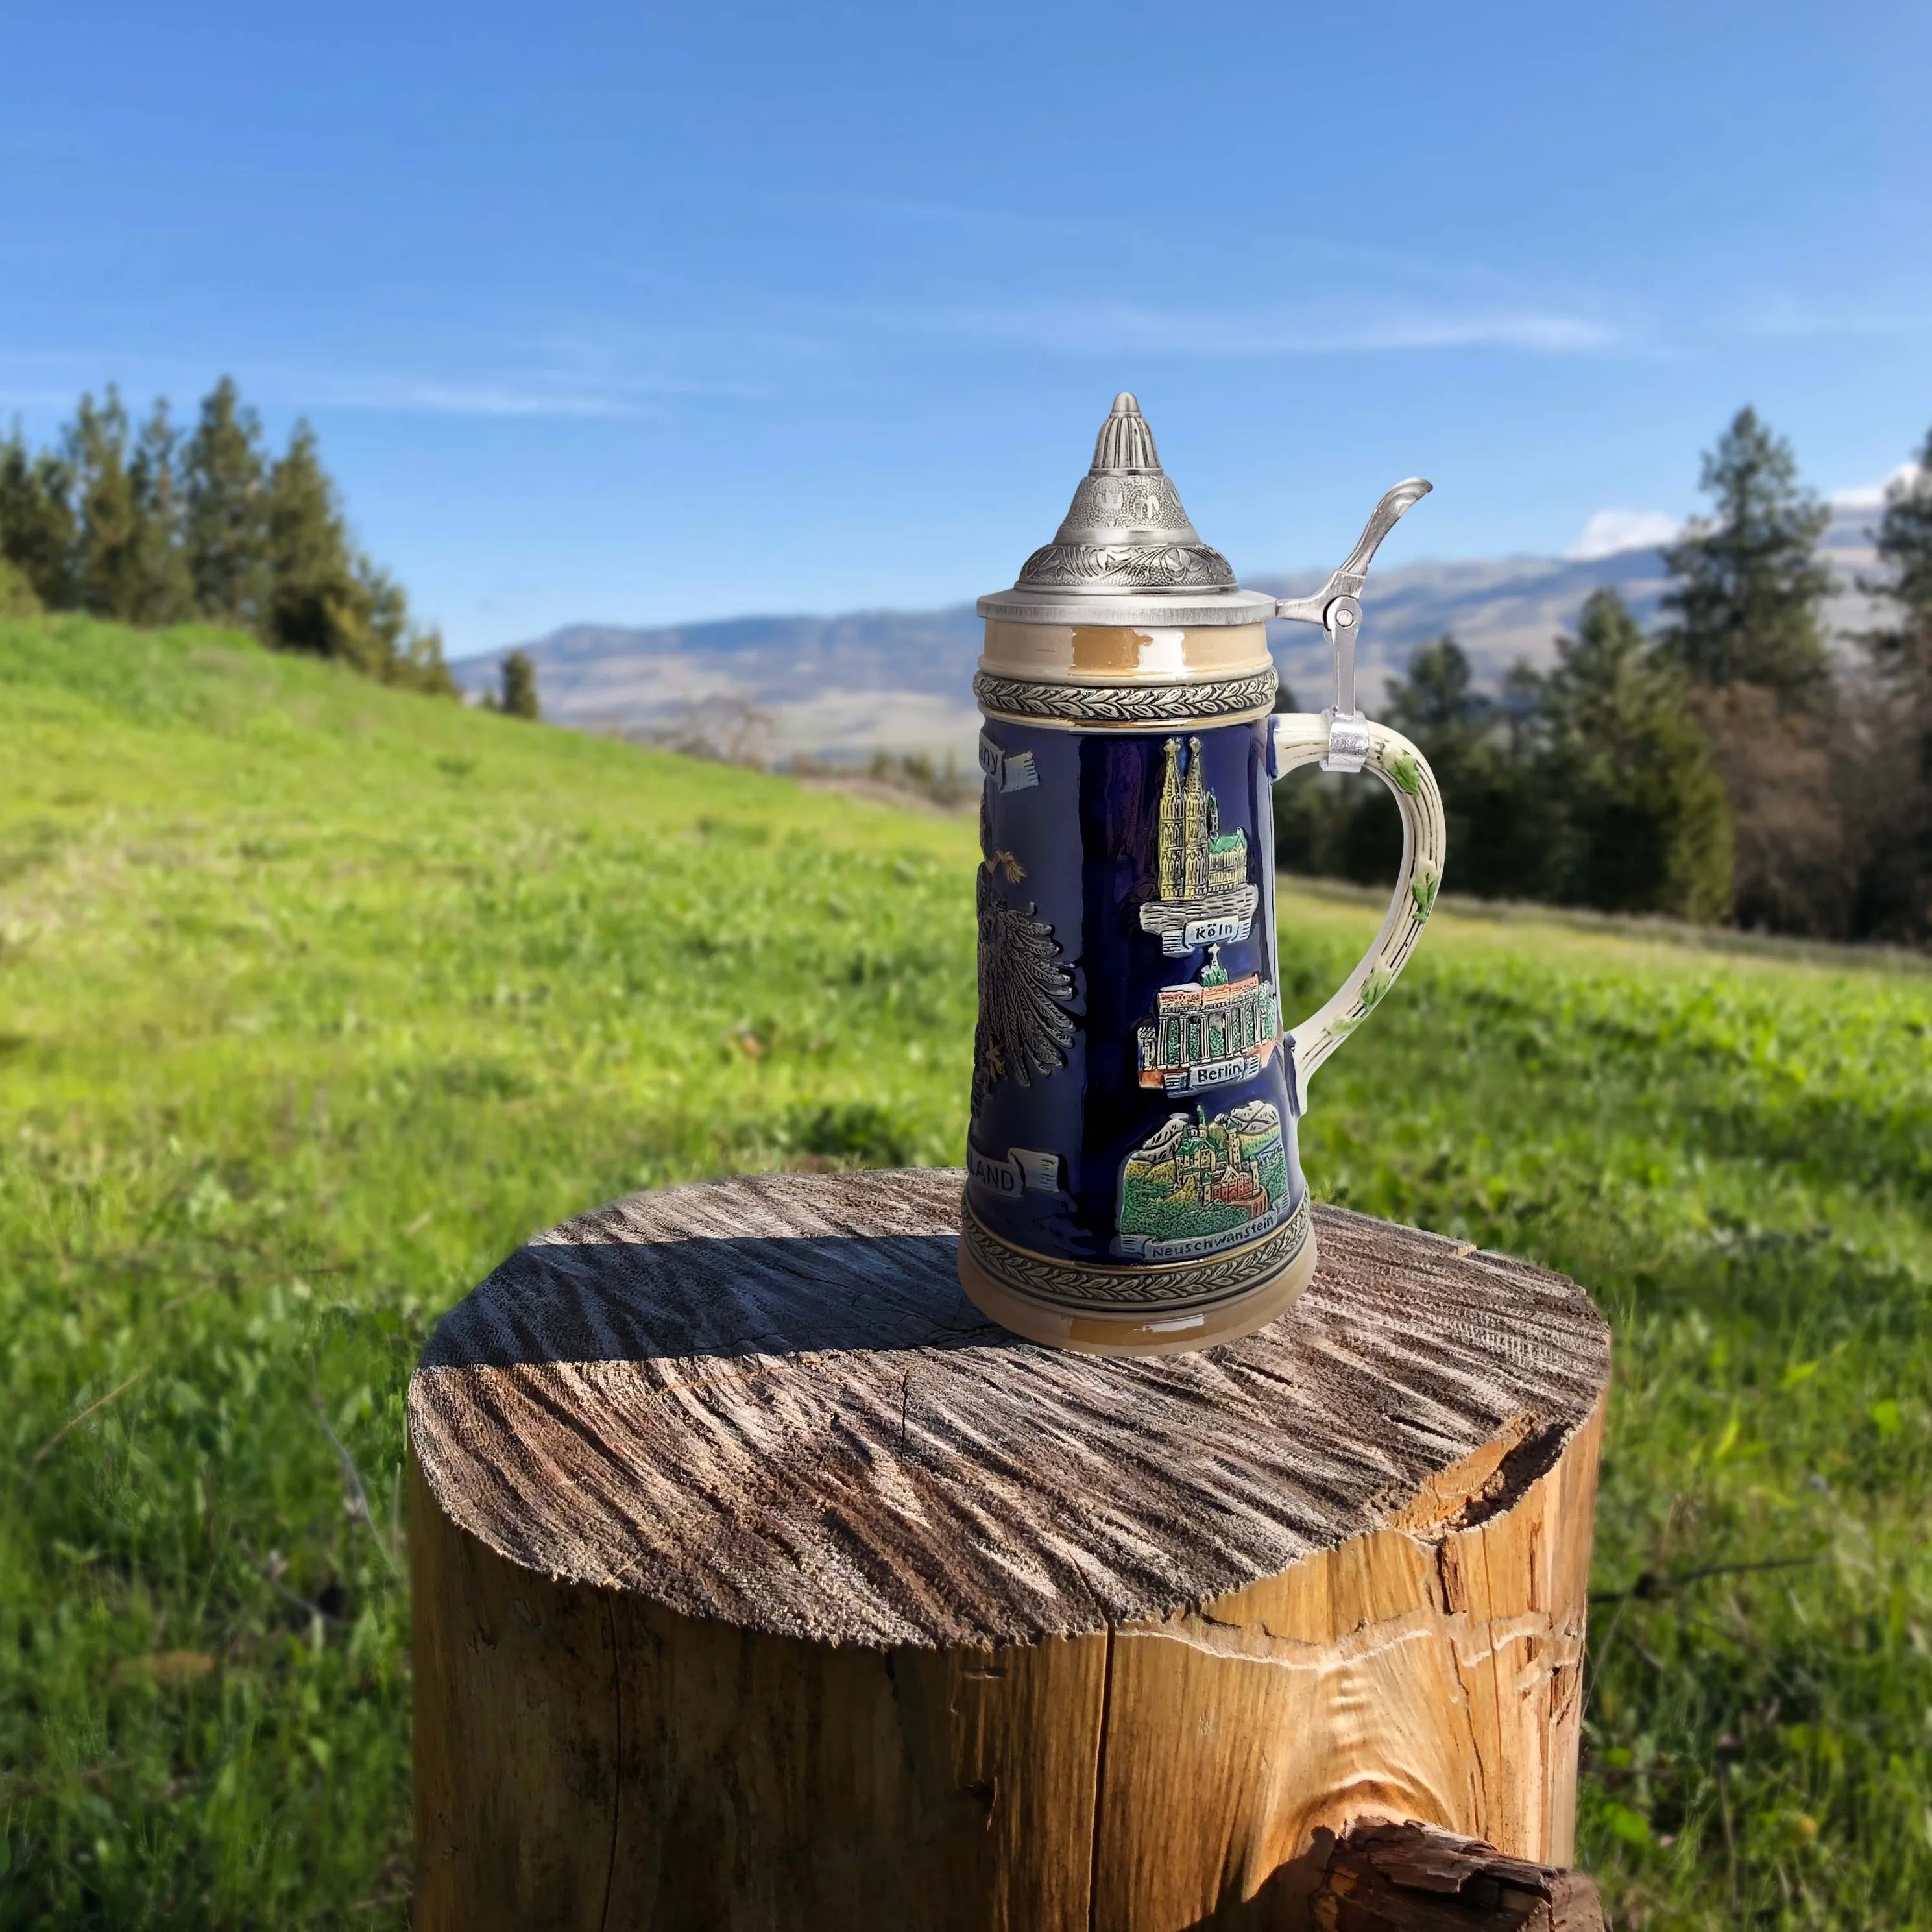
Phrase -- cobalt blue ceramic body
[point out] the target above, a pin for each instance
(1132, 1151)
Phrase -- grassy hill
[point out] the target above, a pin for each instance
(315, 998)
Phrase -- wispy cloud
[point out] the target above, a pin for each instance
(12, 399)
(579, 393)
(1096, 237)
(410, 396)
(504, 381)
(29, 378)
(1785, 316)
(1609, 531)
(49, 358)
(1543, 333)
(1114, 328)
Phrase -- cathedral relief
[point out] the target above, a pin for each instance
(1201, 871)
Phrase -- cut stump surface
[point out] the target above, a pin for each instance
(761, 1580)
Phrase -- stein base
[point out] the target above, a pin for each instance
(1093, 1333)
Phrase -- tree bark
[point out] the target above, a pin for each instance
(1416, 1878)
(761, 1582)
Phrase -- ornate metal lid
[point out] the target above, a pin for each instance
(1127, 552)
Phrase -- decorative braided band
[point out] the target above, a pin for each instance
(1251, 694)
(1185, 1284)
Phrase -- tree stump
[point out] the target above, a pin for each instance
(761, 1582)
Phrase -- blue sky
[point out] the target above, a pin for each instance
(648, 313)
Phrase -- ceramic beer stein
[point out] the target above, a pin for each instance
(1133, 1180)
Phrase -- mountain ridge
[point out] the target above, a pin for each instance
(839, 687)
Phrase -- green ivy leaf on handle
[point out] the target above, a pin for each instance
(1422, 888)
(1373, 988)
(1406, 772)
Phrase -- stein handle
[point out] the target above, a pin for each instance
(1302, 738)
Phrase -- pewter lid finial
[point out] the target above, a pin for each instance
(1125, 442)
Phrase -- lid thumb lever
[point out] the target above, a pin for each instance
(1336, 607)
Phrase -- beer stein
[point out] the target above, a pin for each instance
(1133, 1185)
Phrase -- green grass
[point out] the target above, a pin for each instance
(315, 998)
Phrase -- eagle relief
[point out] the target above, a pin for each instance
(1024, 1027)
(1202, 872)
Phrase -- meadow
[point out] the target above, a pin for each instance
(316, 998)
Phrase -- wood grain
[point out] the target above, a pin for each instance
(761, 1583)
(766, 1403)
(1436, 1677)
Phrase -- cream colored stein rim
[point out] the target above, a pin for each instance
(1122, 654)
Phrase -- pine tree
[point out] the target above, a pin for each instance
(1894, 896)
(37, 531)
(1748, 581)
(1520, 706)
(314, 603)
(225, 476)
(106, 555)
(1438, 699)
(1476, 748)
(520, 687)
(128, 562)
(17, 594)
(1901, 652)
(325, 597)
(411, 655)
(1635, 811)
(159, 589)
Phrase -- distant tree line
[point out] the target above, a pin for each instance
(1726, 767)
(154, 524)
